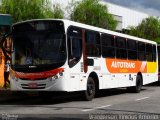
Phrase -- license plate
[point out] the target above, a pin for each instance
(33, 85)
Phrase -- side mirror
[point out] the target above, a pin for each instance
(90, 62)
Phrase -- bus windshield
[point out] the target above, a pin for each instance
(38, 43)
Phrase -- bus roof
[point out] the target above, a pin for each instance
(5, 15)
(89, 27)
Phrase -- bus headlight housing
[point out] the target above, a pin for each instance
(55, 77)
(61, 73)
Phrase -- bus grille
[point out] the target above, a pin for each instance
(38, 86)
(33, 79)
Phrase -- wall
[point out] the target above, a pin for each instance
(129, 17)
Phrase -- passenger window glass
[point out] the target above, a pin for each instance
(141, 51)
(74, 45)
(131, 45)
(141, 46)
(121, 51)
(149, 56)
(120, 42)
(132, 49)
(93, 48)
(108, 47)
(154, 53)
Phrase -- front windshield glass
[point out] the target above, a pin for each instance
(38, 43)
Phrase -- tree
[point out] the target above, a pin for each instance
(93, 13)
(30, 9)
(149, 28)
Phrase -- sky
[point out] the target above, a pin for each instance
(151, 7)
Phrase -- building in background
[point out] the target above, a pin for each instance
(5, 23)
(126, 17)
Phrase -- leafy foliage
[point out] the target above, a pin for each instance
(149, 28)
(93, 13)
(30, 9)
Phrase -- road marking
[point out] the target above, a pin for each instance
(85, 110)
(142, 98)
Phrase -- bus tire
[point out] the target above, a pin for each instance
(89, 93)
(138, 86)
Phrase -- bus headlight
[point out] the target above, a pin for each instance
(55, 77)
(61, 74)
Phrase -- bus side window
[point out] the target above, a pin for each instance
(121, 51)
(149, 52)
(93, 44)
(74, 45)
(132, 49)
(108, 46)
(141, 51)
(154, 53)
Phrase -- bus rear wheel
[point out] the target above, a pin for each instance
(89, 93)
(138, 87)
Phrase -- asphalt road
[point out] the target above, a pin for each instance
(109, 104)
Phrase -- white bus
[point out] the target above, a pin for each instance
(62, 55)
(158, 49)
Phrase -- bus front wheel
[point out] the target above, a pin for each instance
(89, 93)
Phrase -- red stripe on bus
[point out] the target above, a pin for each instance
(38, 75)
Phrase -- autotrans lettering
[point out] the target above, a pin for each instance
(125, 66)
(122, 64)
